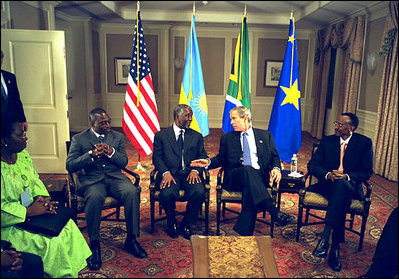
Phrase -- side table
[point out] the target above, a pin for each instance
(57, 190)
(289, 184)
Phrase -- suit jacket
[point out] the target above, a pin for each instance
(166, 151)
(13, 102)
(89, 171)
(231, 155)
(357, 161)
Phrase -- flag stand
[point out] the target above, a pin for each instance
(140, 166)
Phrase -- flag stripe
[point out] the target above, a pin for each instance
(140, 120)
(141, 117)
(150, 115)
(145, 130)
(138, 132)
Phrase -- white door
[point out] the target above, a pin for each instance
(37, 59)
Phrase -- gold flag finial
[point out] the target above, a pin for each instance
(245, 10)
(292, 14)
(138, 6)
(193, 7)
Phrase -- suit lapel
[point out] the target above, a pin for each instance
(92, 137)
(258, 141)
(337, 150)
(237, 142)
(172, 140)
(351, 145)
(109, 138)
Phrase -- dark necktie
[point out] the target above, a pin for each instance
(100, 139)
(246, 151)
(180, 145)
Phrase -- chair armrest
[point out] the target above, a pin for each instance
(135, 175)
(153, 175)
(207, 177)
(219, 179)
(369, 188)
(71, 190)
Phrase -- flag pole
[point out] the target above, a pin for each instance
(139, 165)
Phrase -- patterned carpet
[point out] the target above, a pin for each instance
(171, 258)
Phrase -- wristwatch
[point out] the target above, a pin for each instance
(90, 152)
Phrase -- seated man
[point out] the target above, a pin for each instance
(341, 163)
(250, 160)
(174, 149)
(19, 264)
(385, 260)
(98, 154)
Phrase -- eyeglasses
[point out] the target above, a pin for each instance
(340, 125)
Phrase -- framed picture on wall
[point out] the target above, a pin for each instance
(122, 68)
(272, 72)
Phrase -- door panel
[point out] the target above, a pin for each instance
(37, 59)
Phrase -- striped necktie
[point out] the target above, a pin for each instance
(246, 151)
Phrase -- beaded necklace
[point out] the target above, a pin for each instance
(22, 178)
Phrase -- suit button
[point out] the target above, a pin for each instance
(103, 166)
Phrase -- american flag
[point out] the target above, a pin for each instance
(140, 117)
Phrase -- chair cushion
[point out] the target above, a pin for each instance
(227, 195)
(181, 194)
(110, 202)
(314, 199)
(236, 196)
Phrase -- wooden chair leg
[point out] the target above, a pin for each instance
(223, 209)
(307, 212)
(271, 225)
(352, 219)
(299, 223)
(218, 218)
(362, 231)
(206, 217)
(118, 213)
(152, 206)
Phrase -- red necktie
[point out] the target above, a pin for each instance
(341, 159)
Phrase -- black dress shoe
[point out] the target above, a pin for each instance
(133, 247)
(186, 230)
(321, 249)
(172, 229)
(94, 261)
(282, 219)
(333, 259)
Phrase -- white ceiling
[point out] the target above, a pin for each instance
(308, 14)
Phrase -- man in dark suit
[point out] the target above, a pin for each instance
(341, 163)
(385, 260)
(98, 154)
(250, 160)
(10, 98)
(15, 264)
(174, 149)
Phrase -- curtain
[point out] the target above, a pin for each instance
(348, 35)
(386, 131)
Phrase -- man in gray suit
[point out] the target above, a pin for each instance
(98, 154)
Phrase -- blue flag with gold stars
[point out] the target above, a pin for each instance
(285, 120)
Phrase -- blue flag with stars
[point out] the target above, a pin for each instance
(285, 119)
